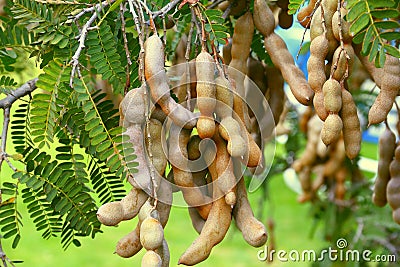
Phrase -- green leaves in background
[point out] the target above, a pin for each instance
(374, 23)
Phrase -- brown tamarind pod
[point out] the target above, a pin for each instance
(129, 245)
(214, 229)
(205, 89)
(157, 80)
(393, 187)
(390, 86)
(163, 251)
(253, 230)
(305, 183)
(241, 44)
(340, 63)
(303, 16)
(275, 84)
(197, 221)
(193, 196)
(340, 189)
(351, 125)
(263, 18)
(386, 148)
(226, 52)
(345, 26)
(285, 20)
(236, 6)
(283, 60)
(151, 259)
(337, 154)
(330, 7)
(316, 73)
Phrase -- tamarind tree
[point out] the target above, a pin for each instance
(129, 92)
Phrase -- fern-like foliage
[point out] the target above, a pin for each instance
(104, 57)
(20, 130)
(45, 106)
(10, 218)
(215, 26)
(374, 23)
(54, 184)
(294, 5)
(7, 84)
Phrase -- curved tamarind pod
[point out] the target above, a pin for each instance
(316, 72)
(393, 187)
(129, 245)
(205, 94)
(241, 44)
(316, 28)
(226, 179)
(159, 159)
(341, 63)
(351, 125)
(263, 18)
(132, 108)
(151, 259)
(236, 144)
(330, 7)
(197, 221)
(253, 230)
(142, 177)
(283, 60)
(226, 52)
(157, 80)
(193, 196)
(158, 114)
(214, 229)
(386, 147)
(111, 213)
(275, 84)
(390, 87)
(347, 37)
(305, 12)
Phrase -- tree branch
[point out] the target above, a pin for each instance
(18, 93)
(163, 11)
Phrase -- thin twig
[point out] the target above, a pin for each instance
(16, 94)
(163, 11)
(214, 4)
(96, 7)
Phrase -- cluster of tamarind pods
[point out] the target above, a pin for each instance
(216, 193)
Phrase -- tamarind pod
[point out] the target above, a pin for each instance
(226, 179)
(193, 147)
(129, 245)
(241, 44)
(253, 230)
(302, 15)
(197, 221)
(275, 84)
(236, 7)
(157, 80)
(214, 229)
(193, 196)
(164, 195)
(336, 157)
(256, 73)
(132, 108)
(386, 148)
(132, 203)
(285, 20)
(283, 60)
(332, 128)
(316, 28)
(151, 259)
(181, 90)
(230, 131)
(316, 73)
(322, 149)
(390, 87)
(151, 234)
(111, 213)
(159, 159)
(339, 60)
(332, 96)
(224, 96)
(319, 179)
(351, 125)
(263, 18)
(347, 37)
(330, 8)
(163, 251)
(226, 52)
(393, 187)
(205, 89)
(375, 73)
(304, 177)
(141, 178)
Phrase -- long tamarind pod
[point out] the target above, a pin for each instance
(236, 144)
(330, 7)
(351, 125)
(253, 230)
(205, 89)
(197, 221)
(263, 18)
(275, 85)
(283, 60)
(214, 229)
(129, 245)
(163, 251)
(305, 12)
(337, 154)
(241, 44)
(193, 196)
(386, 147)
(316, 73)
(132, 108)
(157, 80)
(393, 187)
(390, 87)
